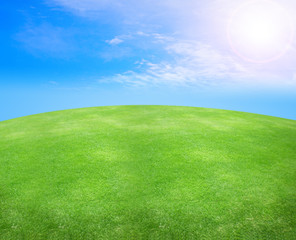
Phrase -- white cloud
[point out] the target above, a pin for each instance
(196, 64)
(203, 58)
(191, 63)
(132, 12)
(114, 41)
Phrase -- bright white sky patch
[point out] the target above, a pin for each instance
(260, 31)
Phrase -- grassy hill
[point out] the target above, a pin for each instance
(147, 172)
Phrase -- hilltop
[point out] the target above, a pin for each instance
(147, 172)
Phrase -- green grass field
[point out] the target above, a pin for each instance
(147, 172)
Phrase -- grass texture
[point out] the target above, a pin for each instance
(147, 172)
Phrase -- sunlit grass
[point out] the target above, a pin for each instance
(147, 172)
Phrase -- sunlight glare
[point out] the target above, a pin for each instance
(260, 31)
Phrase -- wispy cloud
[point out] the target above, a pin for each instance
(191, 36)
(114, 41)
(132, 12)
(197, 64)
(189, 63)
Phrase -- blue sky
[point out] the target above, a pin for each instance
(60, 54)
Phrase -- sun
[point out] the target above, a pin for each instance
(260, 31)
